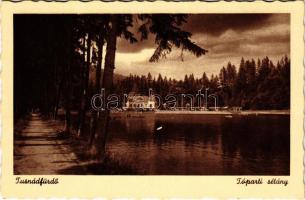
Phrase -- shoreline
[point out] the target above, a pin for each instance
(246, 112)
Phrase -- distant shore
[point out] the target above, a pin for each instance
(246, 112)
(180, 112)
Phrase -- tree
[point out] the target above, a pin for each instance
(232, 74)
(167, 33)
(223, 76)
(250, 72)
(98, 148)
(149, 80)
(62, 71)
(118, 25)
(69, 51)
(84, 99)
(205, 80)
(100, 40)
(239, 85)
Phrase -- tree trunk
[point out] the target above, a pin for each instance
(67, 106)
(99, 143)
(58, 97)
(95, 114)
(69, 50)
(86, 85)
(82, 81)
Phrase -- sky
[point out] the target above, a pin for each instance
(227, 37)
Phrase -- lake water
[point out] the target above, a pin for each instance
(190, 144)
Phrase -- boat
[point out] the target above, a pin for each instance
(159, 128)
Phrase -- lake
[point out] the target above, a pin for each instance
(198, 144)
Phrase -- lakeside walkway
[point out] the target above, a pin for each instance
(38, 150)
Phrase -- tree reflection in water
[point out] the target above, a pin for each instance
(203, 144)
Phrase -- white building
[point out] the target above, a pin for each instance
(139, 102)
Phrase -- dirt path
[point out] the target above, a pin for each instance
(38, 150)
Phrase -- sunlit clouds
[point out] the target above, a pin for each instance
(226, 37)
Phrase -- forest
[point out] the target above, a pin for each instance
(60, 61)
(54, 55)
(257, 85)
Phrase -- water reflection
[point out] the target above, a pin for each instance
(202, 144)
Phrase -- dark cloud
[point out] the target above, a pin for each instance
(217, 24)
(237, 45)
(125, 47)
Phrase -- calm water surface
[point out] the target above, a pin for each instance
(202, 144)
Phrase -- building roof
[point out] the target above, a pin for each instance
(140, 99)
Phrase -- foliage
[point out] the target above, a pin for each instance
(253, 86)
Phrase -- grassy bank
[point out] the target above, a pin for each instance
(110, 165)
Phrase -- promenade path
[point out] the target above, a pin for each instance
(38, 150)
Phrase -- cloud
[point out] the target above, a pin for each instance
(125, 47)
(264, 35)
(235, 42)
(209, 24)
(216, 24)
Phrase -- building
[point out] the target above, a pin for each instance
(140, 102)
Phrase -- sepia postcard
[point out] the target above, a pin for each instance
(152, 99)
